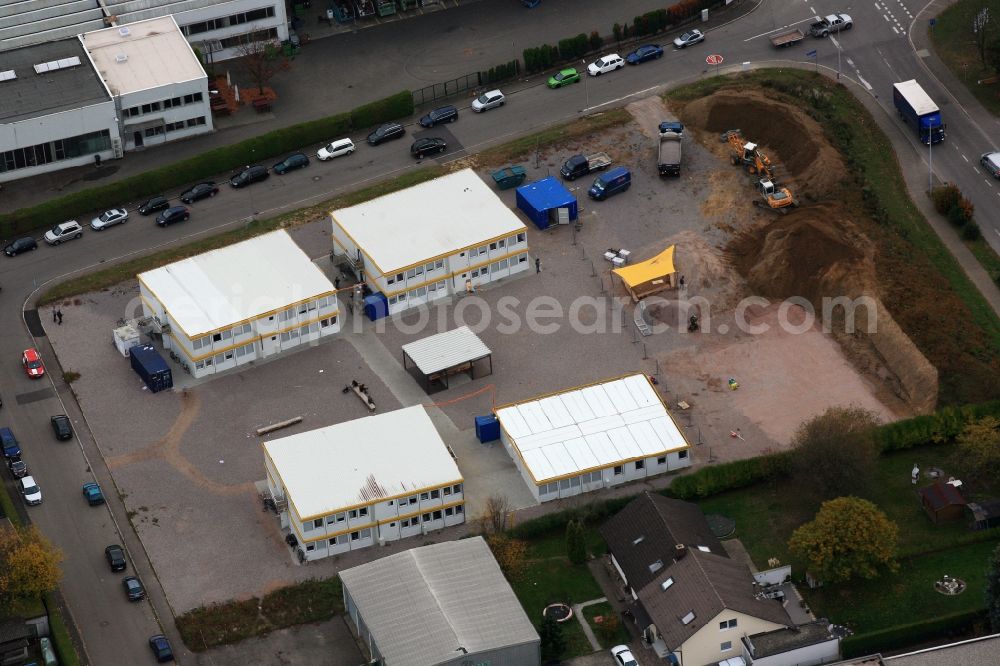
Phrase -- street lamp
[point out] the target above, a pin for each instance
(586, 83)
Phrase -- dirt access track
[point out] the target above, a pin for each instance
(819, 250)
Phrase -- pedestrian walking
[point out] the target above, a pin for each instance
(59, 316)
(54, 318)
(336, 283)
(538, 265)
(682, 282)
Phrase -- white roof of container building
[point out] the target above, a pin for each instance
(916, 96)
(591, 427)
(446, 350)
(425, 604)
(362, 461)
(429, 220)
(143, 55)
(237, 283)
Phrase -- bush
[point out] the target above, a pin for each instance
(940, 427)
(500, 73)
(650, 23)
(908, 634)
(540, 58)
(729, 476)
(616, 30)
(956, 216)
(205, 165)
(596, 41)
(574, 47)
(590, 514)
(971, 232)
(945, 197)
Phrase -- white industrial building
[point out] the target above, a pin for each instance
(592, 437)
(212, 26)
(446, 604)
(367, 481)
(240, 303)
(160, 88)
(431, 240)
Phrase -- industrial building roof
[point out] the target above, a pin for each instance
(237, 283)
(64, 87)
(591, 427)
(143, 55)
(427, 221)
(446, 350)
(358, 462)
(425, 605)
(981, 651)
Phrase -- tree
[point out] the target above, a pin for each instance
(979, 446)
(29, 564)
(261, 57)
(552, 642)
(509, 554)
(576, 542)
(993, 590)
(993, 54)
(848, 538)
(981, 32)
(496, 514)
(835, 453)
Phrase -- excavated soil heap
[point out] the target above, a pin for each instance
(793, 141)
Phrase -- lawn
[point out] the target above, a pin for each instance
(954, 43)
(606, 636)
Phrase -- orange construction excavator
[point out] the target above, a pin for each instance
(745, 153)
(774, 196)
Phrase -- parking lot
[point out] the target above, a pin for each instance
(187, 461)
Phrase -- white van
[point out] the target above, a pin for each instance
(335, 149)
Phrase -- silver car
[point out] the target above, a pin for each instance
(335, 149)
(63, 232)
(488, 100)
(109, 218)
(991, 162)
(688, 38)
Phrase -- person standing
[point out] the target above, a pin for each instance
(538, 265)
(59, 316)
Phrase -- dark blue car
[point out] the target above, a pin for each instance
(644, 53)
(9, 442)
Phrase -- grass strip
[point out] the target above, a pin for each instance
(954, 42)
(62, 642)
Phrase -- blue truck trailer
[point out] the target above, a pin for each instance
(151, 367)
(919, 111)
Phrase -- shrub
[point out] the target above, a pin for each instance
(616, 30)
(729, 476)
(971, 232)
(574, 47)
(956, 216)
(596, 41)
(945, 197)
(908, 634)
(591, 514)
(940, 427)
(576, 542)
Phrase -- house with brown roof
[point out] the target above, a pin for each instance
(693, 604)
(942, 501)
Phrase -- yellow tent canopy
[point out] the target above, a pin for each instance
(650, 276)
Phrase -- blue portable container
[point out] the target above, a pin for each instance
(151, 367)
(487, 429)
(376, 306)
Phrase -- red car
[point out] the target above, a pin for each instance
(32, 363)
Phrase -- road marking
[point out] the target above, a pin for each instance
(863, 82)
(850, 62)
(612, 101)
(784, 27)
(895, 30)
(966, 159)
(835, 42)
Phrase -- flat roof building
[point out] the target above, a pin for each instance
(592, 437)
(371, 480)
(446, 604)
(240, 303)
(431, 240)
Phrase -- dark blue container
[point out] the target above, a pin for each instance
(151, 367)
(376, 306)
(487, 429)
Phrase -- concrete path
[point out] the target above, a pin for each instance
(587, 631)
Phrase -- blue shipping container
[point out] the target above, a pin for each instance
(487, 429)
(376, 306)
(149, 365)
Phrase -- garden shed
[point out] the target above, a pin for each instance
(942, 501)
(541, 201)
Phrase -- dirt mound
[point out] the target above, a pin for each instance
(794, 141)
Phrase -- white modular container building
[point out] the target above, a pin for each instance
(372, 480)
(431, 240)
(592, 437)
(240, 303)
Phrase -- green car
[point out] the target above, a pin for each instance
(565, 77)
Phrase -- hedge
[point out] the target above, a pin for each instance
(588, 514)
(715, 479)
(205, 165)
(938, 428)
(905, 635)
(62, 643)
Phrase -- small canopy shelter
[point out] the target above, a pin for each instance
(985, 514)
(541, 200)
(942, 501)
(650, 276)
(437, 357)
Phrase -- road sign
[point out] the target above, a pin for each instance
(811, 54)
(714, 59)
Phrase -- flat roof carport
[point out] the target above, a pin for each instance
(437, 357)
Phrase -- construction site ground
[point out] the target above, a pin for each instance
(186, 461)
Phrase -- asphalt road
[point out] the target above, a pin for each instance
(876, 52)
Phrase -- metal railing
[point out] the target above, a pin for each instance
(446, 89)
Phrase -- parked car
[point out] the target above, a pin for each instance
(18, 468)
(623, 656)
(64, 231)
(615, 181)
(605, 64)
(154, 204)
(249, 176)
(30, 490)
(564, 77)
(115, 555)
(133, 588)
(386, 132)
(427, 145)
(62, 427)
(488, 100)
(688, 38)
(11, 449)
(991, 162)
(442, 114)
(173, 215)
(161, 648)
(109, 218)
(335, 149)
(644, 53)
(291, 163)
(199, 191)
(32, 363)
(92, 493)
(25, 244)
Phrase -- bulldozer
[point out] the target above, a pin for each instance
(745, 154)
(773, 196)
